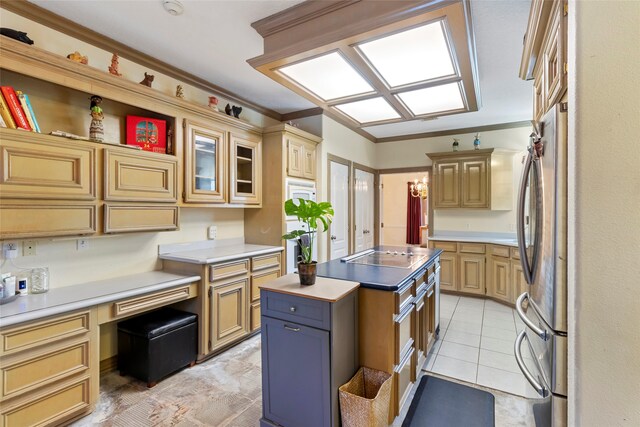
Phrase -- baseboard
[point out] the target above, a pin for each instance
(108, 365)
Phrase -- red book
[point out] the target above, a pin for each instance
(15, 107)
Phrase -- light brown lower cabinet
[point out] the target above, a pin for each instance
(499, 279)
(488, 270)
(230, 302)
(49, 370)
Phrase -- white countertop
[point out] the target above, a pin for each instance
(69, 298)
(476, 237)
(209, 252)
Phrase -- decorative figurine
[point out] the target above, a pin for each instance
(476, 142)
(96, 129)
(213, 103)
(179, 92)
(148, 79)
(78, 57)
(456, 143)
(16, 35)
(236, 111)
(113, 68)
(227, 109)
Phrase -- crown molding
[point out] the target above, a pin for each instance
(475, 129)
(56, 22)
(316, 111)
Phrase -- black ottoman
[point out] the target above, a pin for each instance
(154, 345)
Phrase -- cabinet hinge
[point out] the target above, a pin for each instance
(566, 9)
(184, 123)
(382, 225)
(210, 292)
(209, 345)
(566, 67)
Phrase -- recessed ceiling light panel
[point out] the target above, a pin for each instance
(328, 77)
(411, 56)
(369, 110)
(433, 99)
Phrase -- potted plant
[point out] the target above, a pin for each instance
(308, 212)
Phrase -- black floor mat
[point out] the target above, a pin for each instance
(442, 403)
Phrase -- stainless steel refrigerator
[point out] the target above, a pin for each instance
(541, 347)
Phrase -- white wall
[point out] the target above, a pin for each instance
(412, 153)
(342, 142)
(604, 223)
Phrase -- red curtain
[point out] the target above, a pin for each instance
(414, 217)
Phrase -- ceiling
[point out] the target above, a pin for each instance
(213, 39)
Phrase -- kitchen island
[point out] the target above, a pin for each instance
(398, 310)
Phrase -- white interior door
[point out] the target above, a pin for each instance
(339, 198)
(364, 208)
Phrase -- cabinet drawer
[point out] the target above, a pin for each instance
(45, 220)
(255, 316)
(127, 307)
(471, 248)
(47, 170)
(446, 246)
(44, 332)
(259, 280)
(404, 325)
(23, 375)
(126, 219)
(515, 253)
(404, 296)
(139, 177)
(229, 269)
(502, 251)
(402, 380)
(265, 261)
(50, 408)
(305, 311)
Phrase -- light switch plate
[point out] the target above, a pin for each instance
(212, 232)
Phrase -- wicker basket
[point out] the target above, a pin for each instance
(364, 400)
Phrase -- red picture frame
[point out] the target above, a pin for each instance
(149, 134)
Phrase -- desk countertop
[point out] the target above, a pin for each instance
(60, 300)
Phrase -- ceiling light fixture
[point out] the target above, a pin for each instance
(369, 110)
(173, 7)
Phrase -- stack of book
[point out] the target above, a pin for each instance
(16, 111)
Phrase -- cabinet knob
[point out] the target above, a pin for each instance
(292, 309)
(333, 237)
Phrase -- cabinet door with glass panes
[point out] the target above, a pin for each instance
(205, 160)
(245, 169)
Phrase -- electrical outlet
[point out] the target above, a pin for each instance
(82, 244)
(212, 232)
(8, 246)
(29, 247)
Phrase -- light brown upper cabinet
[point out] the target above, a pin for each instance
(476, 179)
(245, 170)
(544, 55)
(205, 160)
(301, 158)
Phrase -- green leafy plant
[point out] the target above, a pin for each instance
(309, 212)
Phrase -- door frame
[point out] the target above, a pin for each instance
(422, 169)
(376, 200)
(348, 164)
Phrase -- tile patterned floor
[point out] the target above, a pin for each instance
(476, 345)
(226, 390)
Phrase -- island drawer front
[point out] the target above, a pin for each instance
(229, 269)
(258, 280)
(502, 251)
(265, 261)
(515, 253)
(402, 380)
(404, 296)
(472, 248)
(403, 328)
(45, 332)
(446, 246)
(305, 311)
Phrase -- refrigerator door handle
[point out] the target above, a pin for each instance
(522, 243)
(542, 333)
(542, 390)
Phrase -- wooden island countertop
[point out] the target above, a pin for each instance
(324, 289)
